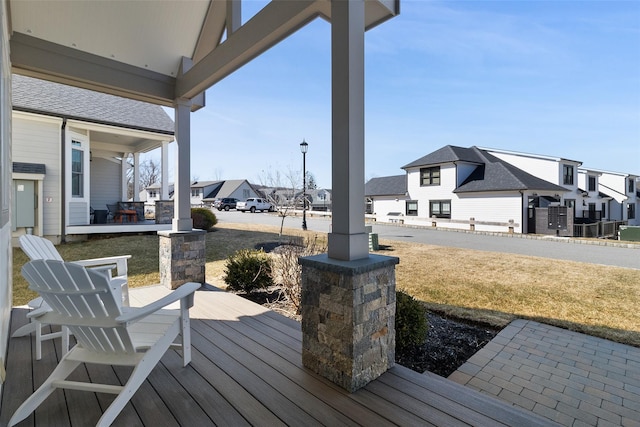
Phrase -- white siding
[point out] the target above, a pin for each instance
(78, 213)
(243, 192)
(37, 140)
(382, 205)
(444, 191)
(489, 208)
(547, 169)
(105, 183)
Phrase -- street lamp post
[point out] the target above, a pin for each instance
(303, 148)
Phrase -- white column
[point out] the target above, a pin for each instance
(136, 177)
(181, 195)
(164, 179)
(125, 168)
(348, 239)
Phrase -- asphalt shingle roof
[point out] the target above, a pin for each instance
(386, 186)
(446, 154)
(34, 95)
(491, 173)
(495, 174)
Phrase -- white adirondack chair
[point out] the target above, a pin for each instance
(40, 248)
(108, 334)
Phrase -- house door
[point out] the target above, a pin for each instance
(24, 204)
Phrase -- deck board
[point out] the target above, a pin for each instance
(246, 369)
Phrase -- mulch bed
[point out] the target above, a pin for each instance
(449, 344)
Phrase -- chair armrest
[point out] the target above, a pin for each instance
(39, 311)
(119, 260)
(184, 293)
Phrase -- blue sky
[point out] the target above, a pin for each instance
(559, 78)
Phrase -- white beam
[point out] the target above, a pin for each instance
(276, 21)
(348, 239)
(38, 58)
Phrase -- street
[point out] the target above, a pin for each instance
(555, 248)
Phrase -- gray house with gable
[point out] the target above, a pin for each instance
(70, 153)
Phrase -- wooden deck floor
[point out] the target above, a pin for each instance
(246, 370)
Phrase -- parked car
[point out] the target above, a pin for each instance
(254, 204)
(225, 203)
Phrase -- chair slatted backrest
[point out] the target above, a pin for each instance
(82, 300)
(38, 247)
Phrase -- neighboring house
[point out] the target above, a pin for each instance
(460, 185)
(592, 204)
(387, 195)
(239, 189)
(205, 192)
(68, 151)
(318, 199)
(490, 189)
(622, 190)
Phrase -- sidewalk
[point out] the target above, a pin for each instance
(568, 377)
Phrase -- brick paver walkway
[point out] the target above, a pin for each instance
(568, 377)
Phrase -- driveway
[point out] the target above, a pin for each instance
(555, 248)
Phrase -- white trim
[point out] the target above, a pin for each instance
(35, 116)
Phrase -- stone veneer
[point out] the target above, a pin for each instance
(348, 318)
(164, 211)
(182, 257)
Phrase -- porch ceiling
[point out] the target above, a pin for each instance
(135, 48)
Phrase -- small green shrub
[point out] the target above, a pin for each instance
(248, 270)
(411, 322)
(203, 218)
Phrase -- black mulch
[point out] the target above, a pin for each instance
(450, 343)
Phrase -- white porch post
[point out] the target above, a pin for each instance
(348, 240)
(358, 345)
(136, 177)
(164, 179)
(182, 189)
(123, 180)
(182, 250)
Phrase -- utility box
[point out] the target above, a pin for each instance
(630, 233)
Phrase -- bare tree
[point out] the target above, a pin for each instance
(280, 190)
(150, 172)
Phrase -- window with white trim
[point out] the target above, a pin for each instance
(77, 169)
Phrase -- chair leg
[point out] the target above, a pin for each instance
(185, 326)
(138, 376)
(38, 339)
(62, 371)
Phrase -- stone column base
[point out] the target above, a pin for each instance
(182, 257)
(348, 318)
